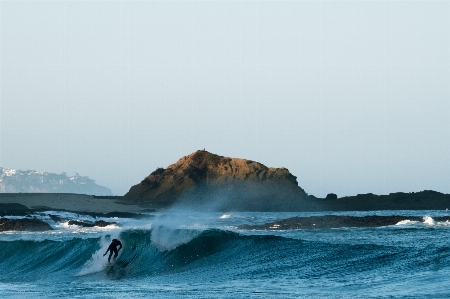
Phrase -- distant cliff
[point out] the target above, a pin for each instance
(30, 181)
(220, 182)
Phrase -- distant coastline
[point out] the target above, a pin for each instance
(24, 203)
(31, 181)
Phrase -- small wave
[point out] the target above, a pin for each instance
(225, 216)
(429, 221)
(74, 228)
(406, 222)
(65, 215)
(446, 223)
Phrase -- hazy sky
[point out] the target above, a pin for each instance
(351, 96)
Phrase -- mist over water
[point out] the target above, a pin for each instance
(242, 196)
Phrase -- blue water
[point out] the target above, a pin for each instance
(205, 255)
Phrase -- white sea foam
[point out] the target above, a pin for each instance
(406, 222)
(74, 229)
(429, 221)
(446, 223)
(69, 215)
(225, 216)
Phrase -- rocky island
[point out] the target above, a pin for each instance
(215, 182)
(221, 183)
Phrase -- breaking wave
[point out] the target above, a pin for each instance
(184, 249)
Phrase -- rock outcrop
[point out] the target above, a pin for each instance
(221, 183)
(203, 180)
(25, 224)
(335, 221)
(423, 200)
(98, 223)
(13, 209)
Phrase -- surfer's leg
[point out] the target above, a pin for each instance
(115, 253)
(110, 254)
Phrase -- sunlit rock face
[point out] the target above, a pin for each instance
(220, 183)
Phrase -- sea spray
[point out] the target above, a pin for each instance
(170, 231)
(429, 221)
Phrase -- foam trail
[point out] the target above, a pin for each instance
(406, 222)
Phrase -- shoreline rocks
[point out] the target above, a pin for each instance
(24, 224)
(13, 209)
(98, 223)
(334, 221)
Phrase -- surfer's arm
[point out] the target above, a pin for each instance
(106, 251)
(120, 244)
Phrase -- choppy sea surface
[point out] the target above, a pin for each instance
(205, 255)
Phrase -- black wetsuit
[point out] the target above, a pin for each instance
(113, 249)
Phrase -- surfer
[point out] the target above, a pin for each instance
(113, 249)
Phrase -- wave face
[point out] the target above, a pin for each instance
(198, 256)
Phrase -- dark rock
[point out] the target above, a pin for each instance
(13, 209)
(331, 196)
(424, 200)
(225, 183)
(80, 223)
(333, 221)
(101, 223)
(56, 218)
(25, 224)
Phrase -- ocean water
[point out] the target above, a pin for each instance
(186, 254)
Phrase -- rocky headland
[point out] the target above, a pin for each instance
(221, 183)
